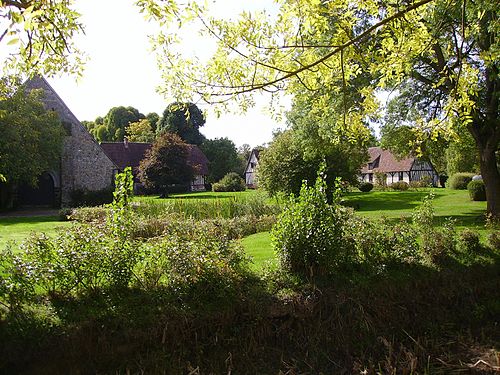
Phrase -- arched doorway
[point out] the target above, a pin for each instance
(44, 194)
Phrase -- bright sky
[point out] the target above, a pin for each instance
(122, 70)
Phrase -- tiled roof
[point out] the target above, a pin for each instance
(198, 160)
(130, 154)
(126, 155)
(385, 161)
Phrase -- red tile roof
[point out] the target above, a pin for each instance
(130, 154)
(386, 162)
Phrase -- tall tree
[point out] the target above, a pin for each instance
(31, 140)
(166, 164)
(117, 120)
(447, 50)
(153, 119)
(222, 157)
(183, 119)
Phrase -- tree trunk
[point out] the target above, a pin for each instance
(491, 178)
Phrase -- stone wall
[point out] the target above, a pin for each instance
(84, 165)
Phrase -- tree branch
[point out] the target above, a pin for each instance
(321, 60)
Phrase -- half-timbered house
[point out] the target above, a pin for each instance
(407, 169)
(251, 169)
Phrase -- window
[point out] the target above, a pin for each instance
(401, 174)
(370, 177)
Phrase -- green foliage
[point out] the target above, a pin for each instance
(400, 186)
(231, 182)
(379, 244)
(115, 125)
(462, 155)
(183, 119)
(295, 155)
(380, 179)
(477, 191)
(494, 240)
(166, 164)
(459, 181)
(222, 158)
(141, 131)
(80, 198)
(365, 187)
(469, 242)
(308, 236)
(437, 243)
(39, 37)
(31, 140)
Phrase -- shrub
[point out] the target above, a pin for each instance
(381, 180)
(81, 197)
(468, 241)
(436, 244)
(459, 181)
(424, 182)
(400, 186)
(379, 244)
(365, 187)
(230, 182)
(89, 214)
(494, 240)
(477, 191)
(309, 235)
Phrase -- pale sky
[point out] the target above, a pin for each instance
(122, 70)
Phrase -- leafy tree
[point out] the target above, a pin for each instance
(282, 166)
(166, 164)
(40, 35)
(462, 156)
(31, 140)
(153, 119)
(185, 120)
(244, 152)
(101, 133)
(222, 157)
(117, 119)
(289, 160)
(447, 51)
(140, 131)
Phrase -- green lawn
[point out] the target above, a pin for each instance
(454, 204)
(19, 228)
(258, 246)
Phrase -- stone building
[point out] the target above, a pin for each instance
(84, 165)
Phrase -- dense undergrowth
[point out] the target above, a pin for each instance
(125, 291)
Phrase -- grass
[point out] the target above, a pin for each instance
(258, 246)
(17, 229)
(454, 204)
